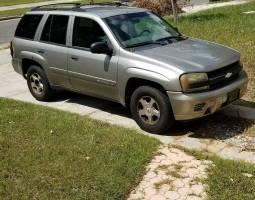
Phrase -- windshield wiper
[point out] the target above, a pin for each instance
(146, 43)
(172, 37)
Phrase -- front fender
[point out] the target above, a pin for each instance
(145, 75)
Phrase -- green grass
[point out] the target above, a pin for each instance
(228, 26)
(50, 154)
(16, 2)
(16, 12)
(226, 179)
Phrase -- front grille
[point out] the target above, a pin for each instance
(219, 78)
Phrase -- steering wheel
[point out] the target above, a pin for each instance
(144, 31)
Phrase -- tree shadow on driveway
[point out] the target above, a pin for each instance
(217, 126)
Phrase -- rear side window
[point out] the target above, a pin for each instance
(55, 29)
(28, 26)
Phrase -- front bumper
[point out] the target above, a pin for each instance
(195, 105)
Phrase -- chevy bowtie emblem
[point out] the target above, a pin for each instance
(228, 75)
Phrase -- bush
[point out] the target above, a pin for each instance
(161, 7)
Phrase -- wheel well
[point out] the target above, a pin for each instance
(134, 83)
(26, 63)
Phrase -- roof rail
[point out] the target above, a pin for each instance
(112, 3)
(57, 6)
(49, 6)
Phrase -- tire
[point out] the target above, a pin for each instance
(38, 84)
(151, 110)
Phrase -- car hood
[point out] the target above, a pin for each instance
(191, 55)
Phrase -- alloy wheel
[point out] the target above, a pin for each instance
(36, 83)
(148, 110)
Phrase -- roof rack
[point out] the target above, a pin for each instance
(113, 3)
(76, 6)
(54, 6)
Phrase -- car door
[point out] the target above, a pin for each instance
(53, 49)
(94, 74)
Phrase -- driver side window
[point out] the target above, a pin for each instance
(86, 32)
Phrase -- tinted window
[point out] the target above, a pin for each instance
(27, 26)
(86, 32)
(55, 29)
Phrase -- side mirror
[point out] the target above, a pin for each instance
(100, 48)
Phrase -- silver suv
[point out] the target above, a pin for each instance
(127, 55)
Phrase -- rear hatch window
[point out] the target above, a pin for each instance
(28, 26)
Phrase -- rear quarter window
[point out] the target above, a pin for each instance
(28, 26)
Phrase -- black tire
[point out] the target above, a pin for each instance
(158, 124)
(45, 93)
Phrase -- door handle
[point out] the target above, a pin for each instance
(74, 58)
(41, 51)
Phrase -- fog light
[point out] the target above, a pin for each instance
(199, 107)
(224, 99)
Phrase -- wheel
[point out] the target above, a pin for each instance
(38, 84)
(151, 109)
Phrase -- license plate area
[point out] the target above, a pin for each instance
(232, 96)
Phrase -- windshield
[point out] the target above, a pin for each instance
(136, 29)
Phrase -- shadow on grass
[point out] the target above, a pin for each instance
(217, 126)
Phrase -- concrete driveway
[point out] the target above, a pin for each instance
(187, 135)
(7, 29)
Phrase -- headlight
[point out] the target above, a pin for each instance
(194, 82)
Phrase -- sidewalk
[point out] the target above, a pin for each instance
(30, 5)
(197, 8)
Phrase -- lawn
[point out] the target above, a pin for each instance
(50, 154)
(228, 26)
(228, 179)
(15, 2)
(16, 12)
